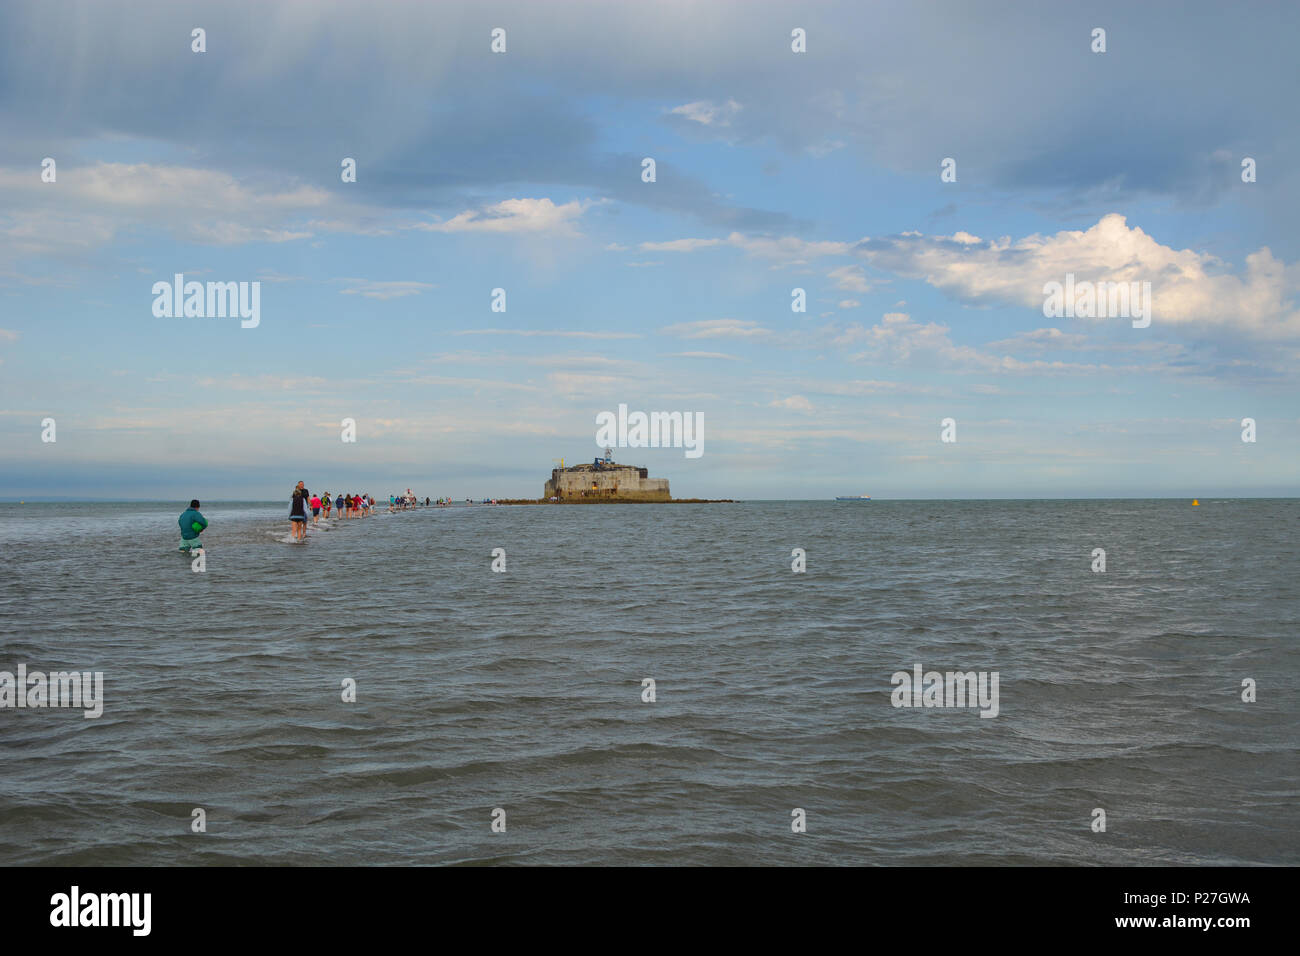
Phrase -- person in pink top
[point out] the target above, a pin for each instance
(315, 509)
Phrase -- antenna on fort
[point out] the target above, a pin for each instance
(560, 462)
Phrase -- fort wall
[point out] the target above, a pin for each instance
(611, 482)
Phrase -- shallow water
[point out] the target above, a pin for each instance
(477, 690)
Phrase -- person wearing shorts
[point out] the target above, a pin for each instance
(190, 534)
(298, 517)
(315, 509)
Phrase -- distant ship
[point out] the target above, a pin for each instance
(853, 498)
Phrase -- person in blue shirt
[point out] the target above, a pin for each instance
(192, 523)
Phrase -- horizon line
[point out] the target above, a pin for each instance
(57, 499)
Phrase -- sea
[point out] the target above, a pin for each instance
(649, 684)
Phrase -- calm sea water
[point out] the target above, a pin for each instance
(523, 690)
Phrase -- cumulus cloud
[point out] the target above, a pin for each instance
(1187, 286)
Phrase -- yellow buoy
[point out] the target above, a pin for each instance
(1195, 503)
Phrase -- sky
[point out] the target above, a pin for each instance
(774, 170)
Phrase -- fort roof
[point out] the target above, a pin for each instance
(588, 466)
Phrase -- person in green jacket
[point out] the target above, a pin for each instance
(192, 523)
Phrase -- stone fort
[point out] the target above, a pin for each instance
(604, 479)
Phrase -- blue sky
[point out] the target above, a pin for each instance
(775, 170)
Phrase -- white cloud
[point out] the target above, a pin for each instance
(1187, 286)
(385, 290)
(790, 250)
(235, 234)
(824, 147)
(527, 216)
(680, 245)
(717, 329)
(89, 206)
(578, 360)
(898, 340)
(706, 355)
(795, 403)
(25, 279)
(849, 304)
(578, 383)
(532, 333)
(478, 383)
(849, 278)
(266, 383)
(708, 113)
(1040, 340)
(859, 387)
(144, 185)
